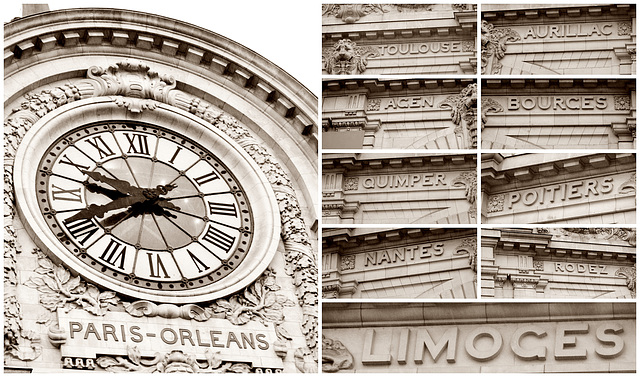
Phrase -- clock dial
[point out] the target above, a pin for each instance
(144, 205)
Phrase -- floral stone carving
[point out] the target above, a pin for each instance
(59, 289)
(171, 362)
(300, 259)
(469, 246)
(335, 356)
(496, 203)
(346, 57)
(463, 107)
(350, 183)
(623, 234)
(489, 105)
(630, 274)
(494, 46)
(468, 180)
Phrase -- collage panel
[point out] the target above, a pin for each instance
(558, 263)
(399, 114)
(382, 39)
(504, 337)
(396, 188)
(398, 263)
(558, 188)
(558, 113)
(552, 39)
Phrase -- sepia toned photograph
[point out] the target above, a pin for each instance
(384, 39)
(552, 39)
(421, 263)
(399, 114)
(558, 188)
(559, 263)
(394, 188)
(558, 113)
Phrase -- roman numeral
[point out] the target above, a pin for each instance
(178, 149)
(197, 262)
(206, 178)
(82, 227)
(159, 266)
(111, 254)
(67, 160)
(137, 143)
(73, 195)
(101, 146)
(218, 238)
(222, 209)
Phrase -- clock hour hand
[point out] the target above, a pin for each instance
(100, 210)
(122, 186)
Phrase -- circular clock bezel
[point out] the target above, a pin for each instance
(264, 208)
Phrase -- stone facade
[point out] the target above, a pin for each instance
(399, 189)
(399, 114)
(559, 263)
(374, 39)
(558, 188)
(549, 39)
(99, 69)
(557, 113)
(399, 263)
(479, 337)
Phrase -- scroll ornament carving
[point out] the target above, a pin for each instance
(489, 105)
(630, 274)
(149, 309)
(496, 203)
(468, 180)
(170, 362)
(351, 13)
(622, 234)
(463, 7)
(118, 81)
(469, 246)
(346, 57)
(629, 186)
(494, 46)
(335, 356)
(463, 107)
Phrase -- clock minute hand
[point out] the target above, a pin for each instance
(100, 210)
(118, 184)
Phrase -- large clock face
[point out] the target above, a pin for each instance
(144, 206)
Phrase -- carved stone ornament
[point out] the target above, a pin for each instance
(463, 107)
(59, 289)
(347, 262)
(489, 105)
(134, 78)
(622, 234)
(622, 102)
(346, 57)
(629, 186)
(172, 362)
(350, 184)
(624, 28)
(335, 356)
(495, 203)
(468, 180)
(538, 265)
(469, 246)
(494, 46)
(374, 104)
(630, 274)
(149, 309)
(351, 13)
(463, 7)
